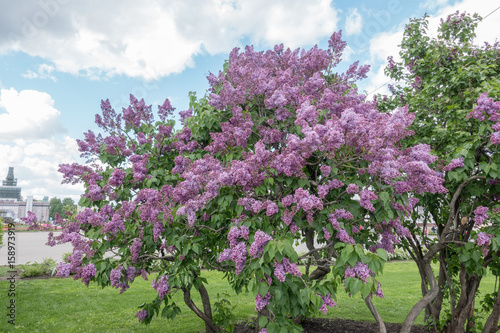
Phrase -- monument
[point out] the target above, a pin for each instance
(9, 189)
(12, 204)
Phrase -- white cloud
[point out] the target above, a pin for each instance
(348, 53)
(36, 163)
(28, 114)
(433, 4)
(43, 71)
(152, 38)
(354, 22)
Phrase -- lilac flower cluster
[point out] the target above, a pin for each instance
(138, 112)
(344, 237)
(139, 166)
(117, 177)
(135, 249)
(324, 189)
(352, 189)
(141, 315)
(362, 271)
(484, 105)
(261, 302)
(161, 286)
(257, 247)
(327, 301)
(120, 278)
(455, 163)
(365, 197)
(31, 220)
(326, 233)
(483, 240)
(280, 269)
(86, 273)
(495, 136)
(480, 215)
(379, 291)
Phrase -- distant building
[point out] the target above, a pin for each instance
(9, 189)
(13, 206)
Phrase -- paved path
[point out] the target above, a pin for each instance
(30, 246)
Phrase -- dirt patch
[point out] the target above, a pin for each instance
(322, 325)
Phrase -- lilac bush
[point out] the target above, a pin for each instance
(282, 150)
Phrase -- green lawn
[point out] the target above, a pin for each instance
(65, 305)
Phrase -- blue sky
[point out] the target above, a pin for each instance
(60, 58)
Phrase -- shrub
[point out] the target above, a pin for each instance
(46, 267)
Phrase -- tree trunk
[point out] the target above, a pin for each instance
(376, 315)
(427, 299)
(465, 305)
(210, 327)
(491, 325)
(207, 307)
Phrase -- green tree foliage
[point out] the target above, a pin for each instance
(61, 207)
(450, 85)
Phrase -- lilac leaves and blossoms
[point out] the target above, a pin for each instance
(457, 113)
(282, 150)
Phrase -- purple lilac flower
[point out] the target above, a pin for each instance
(287, 201)
(115, 276)
(480, 215)
(63, 269)
(261, 302)
(135, 249)
(141, 315)
(327, 301)
(342, 214)
(344, 237)
(349, 272)
(279, 271)
(327, 234)
(87, 273)
(161, 286)
(352, 189)
(483, 239)
(225, 255)
(291, 268)
(365, 197)
(495, 138)
(362, 271)
(257, 247)
(325, 170)
(272, 208)
(379, 291)
(239, 256)
(455, 163)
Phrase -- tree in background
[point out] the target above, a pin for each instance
(68, 207)
(450, 86)
(282, 150)
(55, 207)
(61, 207)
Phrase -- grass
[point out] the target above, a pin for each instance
(65, 305)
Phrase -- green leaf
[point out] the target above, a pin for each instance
(382, 254)
(384, 196)
(355, 286)
(263, 321)
(263, 288)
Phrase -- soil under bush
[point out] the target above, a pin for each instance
(321, 325)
